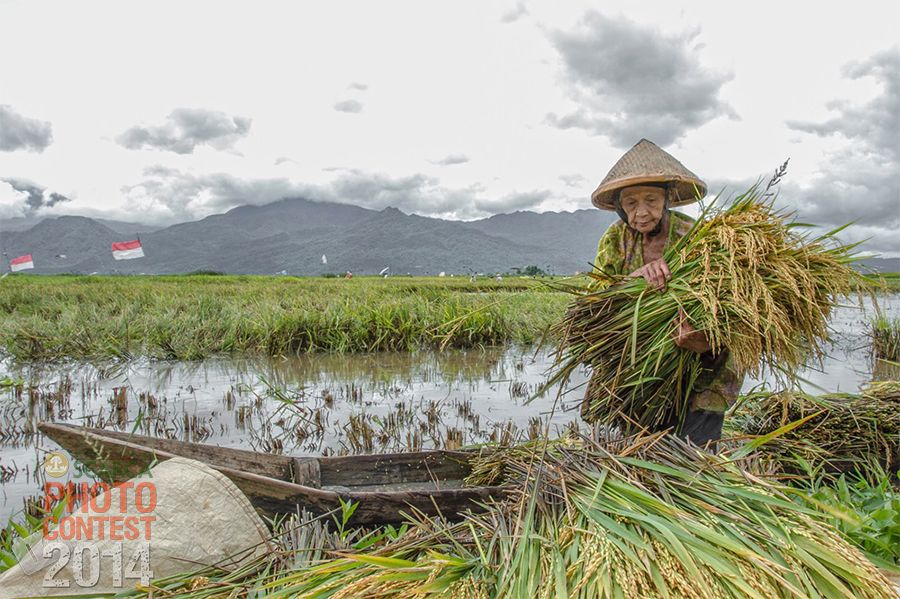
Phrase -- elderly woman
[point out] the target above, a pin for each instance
(642, 187)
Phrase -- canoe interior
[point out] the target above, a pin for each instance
(385, 486)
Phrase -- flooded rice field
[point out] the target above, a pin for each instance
(337, 404)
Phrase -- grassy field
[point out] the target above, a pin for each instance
(191, 317)
(195, 316)
(890, 282)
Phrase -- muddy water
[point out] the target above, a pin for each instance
(324, 404)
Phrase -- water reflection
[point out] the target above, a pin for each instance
(303, 405)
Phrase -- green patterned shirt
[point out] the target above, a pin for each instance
(621, 249)
(621, 252)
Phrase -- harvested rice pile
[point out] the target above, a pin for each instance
(843, 431)
(639, 517)
(745, 275)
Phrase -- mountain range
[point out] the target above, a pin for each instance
(291, 236)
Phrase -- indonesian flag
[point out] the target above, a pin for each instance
(21, 263)
(126, 250)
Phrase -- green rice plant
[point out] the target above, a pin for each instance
(6, 381)
(192, 317)
(842, 431)
(885, 333)
(743, 275)
(863, 505)
(890, 282)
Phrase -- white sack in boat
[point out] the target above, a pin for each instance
(199, 517)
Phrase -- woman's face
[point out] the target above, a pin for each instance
(644, 206)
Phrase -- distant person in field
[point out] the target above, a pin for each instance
(349, 275)
(641, 188)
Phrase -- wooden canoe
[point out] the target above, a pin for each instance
(385, 486)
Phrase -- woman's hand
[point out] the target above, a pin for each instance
(687, 337)
(656, 274)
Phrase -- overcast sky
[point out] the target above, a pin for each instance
(163, 112)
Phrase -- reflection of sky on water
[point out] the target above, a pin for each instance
(224, 401)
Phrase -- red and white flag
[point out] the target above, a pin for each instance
(126, 250)
(21, 263)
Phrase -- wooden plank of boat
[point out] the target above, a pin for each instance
(271, 481)
(279, 467)
(366, 470)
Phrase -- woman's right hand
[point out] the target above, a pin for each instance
(656, 274)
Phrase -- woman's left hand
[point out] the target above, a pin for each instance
(656, 273)
(687, 337)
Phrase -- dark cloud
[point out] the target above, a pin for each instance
(632, 81)
(35, 197)
(22, 133)
(350, 106)
(515, 13)
(451, 160)
(861, 180)
(187, 128)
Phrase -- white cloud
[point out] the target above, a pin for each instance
(452, 159)
(18, 132)
(13, 203)
(515, 13)
(350, 106)
(187, 128)
(167, 196)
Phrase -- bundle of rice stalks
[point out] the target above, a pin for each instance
(652, 517)
(843, 430)
(639, 517)
(492, 466)
(744, 275)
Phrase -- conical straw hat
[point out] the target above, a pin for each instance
(648, 163)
